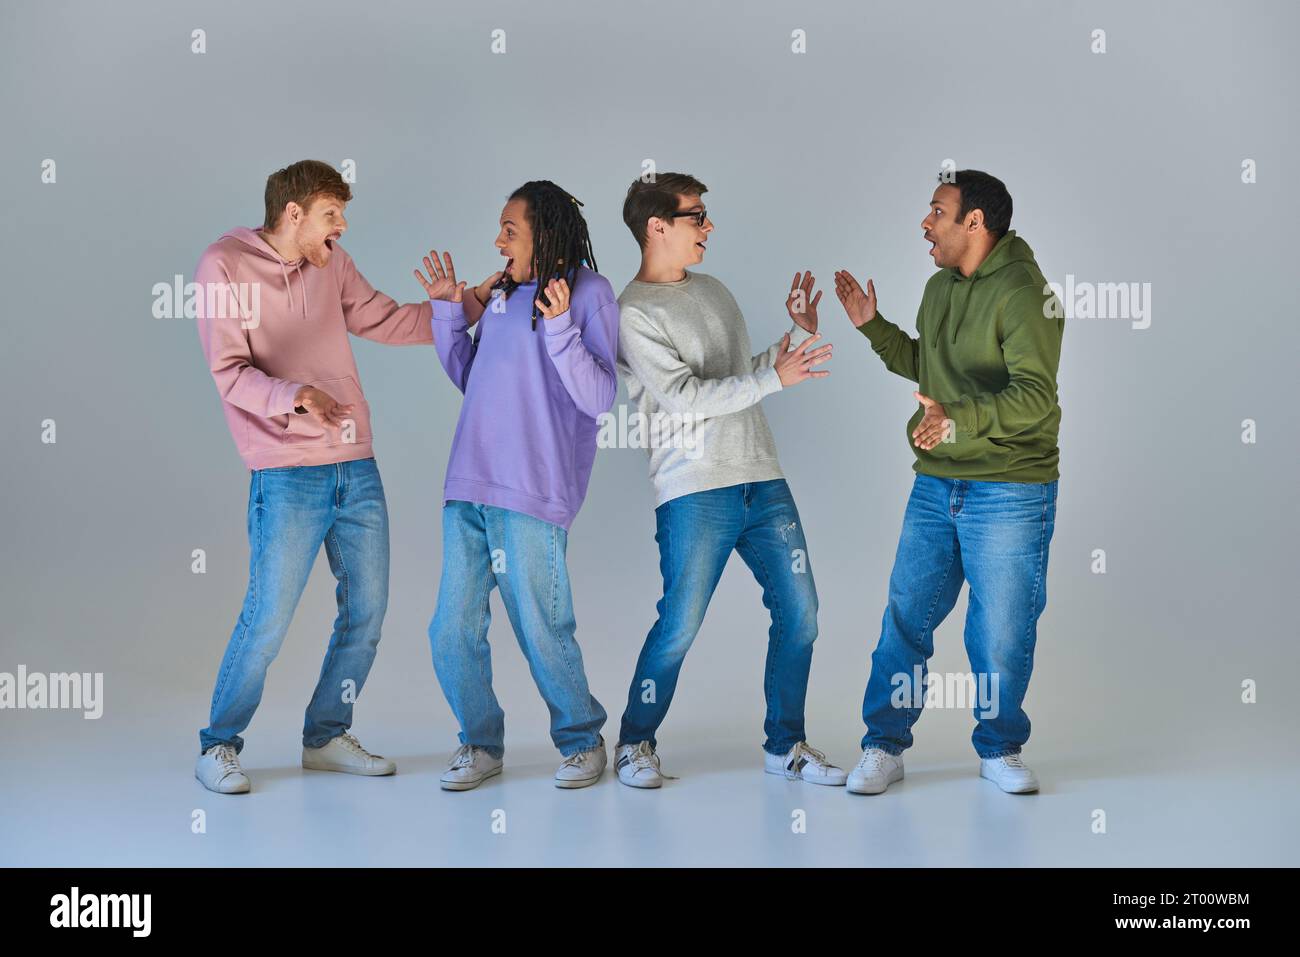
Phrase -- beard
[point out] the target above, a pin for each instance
(317, 253)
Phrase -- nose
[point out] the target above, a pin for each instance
(708, 225)
(343, 225)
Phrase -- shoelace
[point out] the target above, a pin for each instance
(643, 758)
(814, 757)
(872, 760)
(463, 758)
(353, 745)
(1013, 761)
(575, 759)
(226, 759)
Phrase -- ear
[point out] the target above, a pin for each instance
(292, 212)
(976, 221)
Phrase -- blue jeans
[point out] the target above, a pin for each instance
(291, 512)
(483, 547)
(697, 534)
(994, 535)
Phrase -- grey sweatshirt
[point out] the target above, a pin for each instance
(685, 352)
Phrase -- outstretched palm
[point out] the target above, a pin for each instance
(801, 303)
(441, 283)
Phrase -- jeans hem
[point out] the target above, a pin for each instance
(992, 755)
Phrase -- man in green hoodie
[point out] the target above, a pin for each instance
(983, 503)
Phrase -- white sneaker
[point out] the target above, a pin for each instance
(876, 771)
(804, 763)
(218, 770)
(638, 765)
(1009, 773)
(582, 769)
(345, 753)
(469, 767)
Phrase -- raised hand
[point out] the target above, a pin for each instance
(861, 306)
(934, 427)
(441, 283)
(557, 290)
(801, 304)
(322, 407)
(795, 365)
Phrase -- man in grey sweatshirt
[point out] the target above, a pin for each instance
(718, 485)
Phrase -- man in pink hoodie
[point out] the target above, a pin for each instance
(275, 307)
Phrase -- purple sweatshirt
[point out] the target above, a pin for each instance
(526, 438)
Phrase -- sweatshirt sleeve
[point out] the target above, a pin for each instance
(896, 348)
(372, 315)
(225, 346)
(653, 359)
(1031, 347)
(767, 358)
(585, 354)
(456, 347)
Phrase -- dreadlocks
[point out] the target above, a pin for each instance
(560, 240)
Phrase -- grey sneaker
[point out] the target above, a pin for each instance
(638, 765)
(469, 767)
(218, 770)
(582, 769)
(876, 771)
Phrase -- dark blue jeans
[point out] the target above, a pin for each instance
(697, 534)
(994, 535)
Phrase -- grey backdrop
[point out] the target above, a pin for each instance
(1124, 166)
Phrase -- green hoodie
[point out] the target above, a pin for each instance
(988, 353)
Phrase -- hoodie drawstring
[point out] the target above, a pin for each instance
(289, 288)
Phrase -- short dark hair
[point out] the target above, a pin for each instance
(656, 198)
(300, 183)
(981, 191)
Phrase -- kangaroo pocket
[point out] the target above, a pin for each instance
(294, 430)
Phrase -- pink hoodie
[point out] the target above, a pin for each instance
(269, 327)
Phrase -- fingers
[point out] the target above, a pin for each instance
(432, 264)
(428, 288)
(451, 270)
(803, 346)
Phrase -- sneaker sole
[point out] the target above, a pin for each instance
(238, 789)
(579, 783)
(647, 785)
(367, 772)
(468, 785)
(1028, 789)
(861, 790)
(799, 777)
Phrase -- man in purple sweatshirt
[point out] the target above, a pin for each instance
(518, 473)
(275, 308)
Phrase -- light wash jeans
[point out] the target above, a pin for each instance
(291, 512)
(994, 535)
(697, 534)
(486, 547)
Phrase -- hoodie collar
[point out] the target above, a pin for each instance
(1010, 248)
(254, 240)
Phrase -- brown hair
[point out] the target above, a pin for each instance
(301, 183)
(658, 198)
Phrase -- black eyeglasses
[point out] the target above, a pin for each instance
(699, 215)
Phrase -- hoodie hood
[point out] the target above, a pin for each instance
(1008, 250)
(252, 240)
